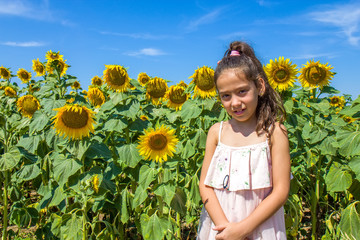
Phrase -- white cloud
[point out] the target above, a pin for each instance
(35, 9)
(23, 44)
(313, 56)
(206, 19)
(146, 52)
(346, 17)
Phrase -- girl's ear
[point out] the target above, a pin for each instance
(261, 86)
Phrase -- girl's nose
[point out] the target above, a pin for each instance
(236, 103)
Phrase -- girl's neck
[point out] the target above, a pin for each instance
(245, 128)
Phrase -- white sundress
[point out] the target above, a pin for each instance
(242, 178)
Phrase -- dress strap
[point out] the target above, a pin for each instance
(221, 124)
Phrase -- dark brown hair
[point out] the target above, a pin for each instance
(270, 108)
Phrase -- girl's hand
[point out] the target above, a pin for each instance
(231, 231)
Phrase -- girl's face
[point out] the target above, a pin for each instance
(238, 95)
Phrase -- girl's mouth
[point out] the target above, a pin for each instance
(239, 112)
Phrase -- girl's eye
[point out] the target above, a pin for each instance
(225, 96)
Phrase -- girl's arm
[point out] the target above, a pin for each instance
(281, 185)
(211, 203)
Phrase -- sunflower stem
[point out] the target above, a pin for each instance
(5, 205)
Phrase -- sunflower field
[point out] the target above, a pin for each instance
(122, 159)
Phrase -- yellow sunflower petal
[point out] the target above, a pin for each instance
(176, 96)
(315, 74)
(24, 75)
(143, 78)
(156, 89)
(38, 67)
(204, 82)
(117, 78)
(28, 105)
(9, 91)
(157, 144)
(96, 96)
(4, 73)
(74, 121)
(281, 73)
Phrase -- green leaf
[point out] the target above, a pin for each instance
(349, 225)
(146, 176)
(73, 228)
(98, 151)
(64, 167)
(124, 206)
(30, 143)
(166, 192)
(200, 138)
(179, 201)
(40, 120)
(115, 125)
(190, 110)
(10, 159)
(28, 172)
(58, 196)
(49, 104)
(349, 142)
(139, 196)
(154, 227)
(129, 155)
(338, 179)
(354, 164)
(188, 150)
(133, 110)
(317, 134)
(194, 190)
(23, 217)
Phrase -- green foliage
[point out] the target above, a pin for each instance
(100, 187)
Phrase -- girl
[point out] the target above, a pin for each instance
(245, 176)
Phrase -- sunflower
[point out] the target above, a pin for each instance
(76, 85)
(52, 56)
(204, 82)
(116, 77)
(337, 101)
(11, 92)
(96, 81)
(24, 75)
(315, 74)
(156, 89)
(177, 96)
(4, 73)
(28, 105)
(95, 183)
(144, 118)
(96, 96)
(143, 78)
(74, 121)
(349, 119)
(84, 92)
(281, 73)
(58, 64)
(157, 144)
(38, 67)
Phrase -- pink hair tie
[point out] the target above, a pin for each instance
(234, 53)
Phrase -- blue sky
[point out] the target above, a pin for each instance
(170, 39)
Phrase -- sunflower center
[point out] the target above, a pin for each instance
(178, 96)
(24, 75)
(39, 68)
(281, 76)
(158, 141)
(30, 105)
(116, 77)
(144, 80)
(74, 119)
(4, 73)
(315, 75)
(205, 83)
(334, 100)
